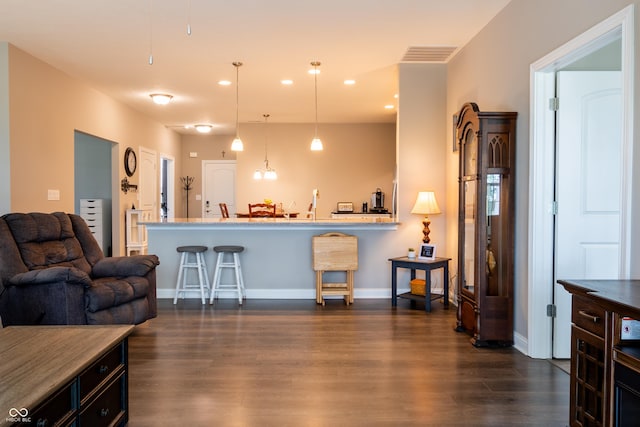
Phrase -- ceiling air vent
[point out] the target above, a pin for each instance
(428, 53)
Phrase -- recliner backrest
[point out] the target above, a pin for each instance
(46, 240)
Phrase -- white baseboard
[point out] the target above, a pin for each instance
(520, 343)
(365, 293)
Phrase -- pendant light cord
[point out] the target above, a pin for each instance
(315, 82)
(237, 65)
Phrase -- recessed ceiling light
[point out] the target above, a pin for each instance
(395, 96)
(389, 107)
(349, 82)
(286, 82)
(161, 98)
(224, 83)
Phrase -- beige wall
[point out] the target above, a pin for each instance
(493, 71)
(357, 158)
(46, 107)
(5, 167)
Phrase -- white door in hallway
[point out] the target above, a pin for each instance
(218, 186)
(148, 186)
(588, 187)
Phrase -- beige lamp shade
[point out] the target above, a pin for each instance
(426, 204)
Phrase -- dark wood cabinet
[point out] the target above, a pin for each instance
(605, 355)
(64, 375)
(486, 225)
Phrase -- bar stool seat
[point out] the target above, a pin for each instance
(233, 263)
(192, 257)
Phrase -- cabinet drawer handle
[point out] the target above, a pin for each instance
(103, 369)
(42, 422)
(583, 313)
(104, 412)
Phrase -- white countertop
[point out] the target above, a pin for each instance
(274, 223)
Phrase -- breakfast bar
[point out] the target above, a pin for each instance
(276, 262)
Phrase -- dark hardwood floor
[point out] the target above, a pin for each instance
(293, 363)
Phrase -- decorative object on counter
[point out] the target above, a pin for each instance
(411, 253)
(316, 143)
(186, 186)
(126, 187)
(237, 144)
(314, 202)
(268, 173)
(426, 204)
(344, 207)
(377, 201)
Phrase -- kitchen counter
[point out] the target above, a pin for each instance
(277, 259)
(341, 223)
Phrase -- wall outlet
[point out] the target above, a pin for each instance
(198, 197)
(193, 154)
(53, 194)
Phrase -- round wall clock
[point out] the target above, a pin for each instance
(130, 161)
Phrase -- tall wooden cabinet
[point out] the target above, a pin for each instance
(486, 225)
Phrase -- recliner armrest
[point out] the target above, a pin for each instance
(124, 266)
(70, 275)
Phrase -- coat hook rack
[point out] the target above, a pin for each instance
(126, 187)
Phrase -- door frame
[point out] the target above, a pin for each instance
(540, 273)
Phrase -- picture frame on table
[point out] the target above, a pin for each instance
(427, 252)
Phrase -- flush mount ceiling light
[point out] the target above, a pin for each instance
(161, 98)
(203, 128)
(237, 144)
(269, 173)
(316, 143)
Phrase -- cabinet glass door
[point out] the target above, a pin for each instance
(496, 226)
(470, 210)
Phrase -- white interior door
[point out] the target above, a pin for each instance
(588, 187)
(148, 187)
(218, 186)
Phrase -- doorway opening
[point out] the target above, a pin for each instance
(167, 187)
(543, 175)
(93, 189)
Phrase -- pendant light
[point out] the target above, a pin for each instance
(269, 173)
(316, 143)
(237, 144)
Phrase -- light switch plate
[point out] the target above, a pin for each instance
(53, 194)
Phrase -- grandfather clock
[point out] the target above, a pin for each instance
(486, 225)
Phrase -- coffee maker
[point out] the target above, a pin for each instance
(377, 201)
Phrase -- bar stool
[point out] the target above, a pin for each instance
(196, 253)
(234, 264)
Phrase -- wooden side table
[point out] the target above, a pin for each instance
(419, 264)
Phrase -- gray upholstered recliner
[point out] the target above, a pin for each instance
(52, 271)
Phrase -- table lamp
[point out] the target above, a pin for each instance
(425, 205)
